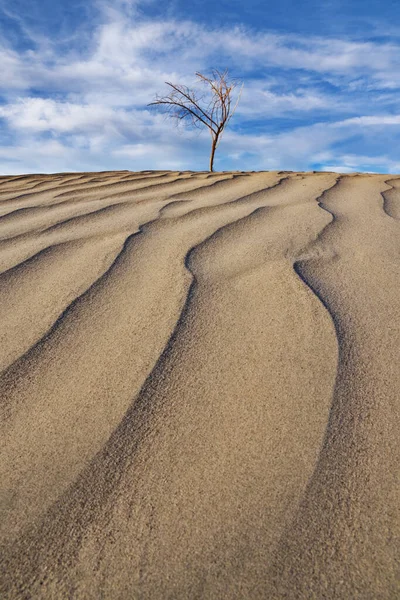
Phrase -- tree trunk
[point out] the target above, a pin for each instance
(213, 147)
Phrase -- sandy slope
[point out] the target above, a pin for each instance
(200, 386)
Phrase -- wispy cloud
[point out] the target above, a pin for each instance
(85, 103)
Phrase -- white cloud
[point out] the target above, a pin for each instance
(44, 114)
(350, 163)
(297, 148)
(259, 101)
(337, 168)
(372, 120)
(124, 51)
(93, 103)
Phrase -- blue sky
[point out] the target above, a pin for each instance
(321, 83)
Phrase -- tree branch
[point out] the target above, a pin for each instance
(182, 103)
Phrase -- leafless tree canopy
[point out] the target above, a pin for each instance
(212, 109)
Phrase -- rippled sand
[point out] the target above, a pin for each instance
(200, 382)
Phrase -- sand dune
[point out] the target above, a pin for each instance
(199, 385)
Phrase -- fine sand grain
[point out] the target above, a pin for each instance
(200, 381)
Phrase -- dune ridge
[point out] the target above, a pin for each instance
(199, 385)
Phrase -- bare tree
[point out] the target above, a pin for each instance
(212, 109)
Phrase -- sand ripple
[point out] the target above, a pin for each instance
(199, 385)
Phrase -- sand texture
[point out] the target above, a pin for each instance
(200, 382)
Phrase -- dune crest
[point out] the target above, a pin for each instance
(199, 385)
